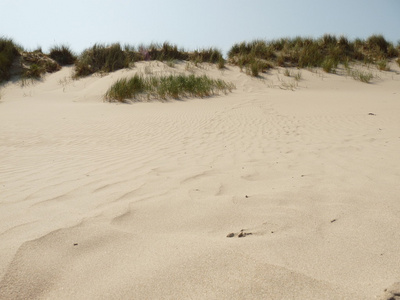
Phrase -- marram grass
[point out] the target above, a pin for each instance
(326, 52)
(62, 54)
(8, 52)
(362, 76)
(139, 88)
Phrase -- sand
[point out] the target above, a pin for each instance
(135, 201)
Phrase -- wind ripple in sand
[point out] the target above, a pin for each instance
(144, 195)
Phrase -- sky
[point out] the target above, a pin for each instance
(191, 24)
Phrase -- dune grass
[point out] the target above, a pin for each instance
(383, 65)
(35, 64)
(108, 58)
(139, 88)
(362, 76)
(296, 76)
(101, 58)
(31, 65)
(255, 57)
(62, 54)
(326, 52)
(8, 52)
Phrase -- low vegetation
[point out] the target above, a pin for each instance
(362, 76)
(8, 53)
(63, 55)
(383, 65)
(108, 58)
(101, 58)
(27, 65)
(326, 52)
(34, 64)
(296, 76)
(139, 88)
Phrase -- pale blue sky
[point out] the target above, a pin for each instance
(191, 24)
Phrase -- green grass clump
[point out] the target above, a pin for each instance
(62, 55)
(221, 63)
(164, 87)
(329, 65)
(35, 71)
(383, 65)
(256, 67)
(210, 55)
(362, 76)
(377, 43)
(296, 76)
(101, 58)
(8, 52)
(165, 52)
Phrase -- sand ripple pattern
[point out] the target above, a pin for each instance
(145, 195)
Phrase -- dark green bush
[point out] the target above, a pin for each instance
(8, 52)
(63, 55)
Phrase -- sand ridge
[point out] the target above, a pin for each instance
(118, 201)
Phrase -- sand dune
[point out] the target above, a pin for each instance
(135, 201)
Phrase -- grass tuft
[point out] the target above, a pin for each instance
(329, 65)
(383, 65)
(297, 76)
(362, 76)
(62, 54)
(210, 55)
(8, 53)
(165, 87)
(101, 58)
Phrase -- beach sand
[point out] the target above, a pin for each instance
(135, 201)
